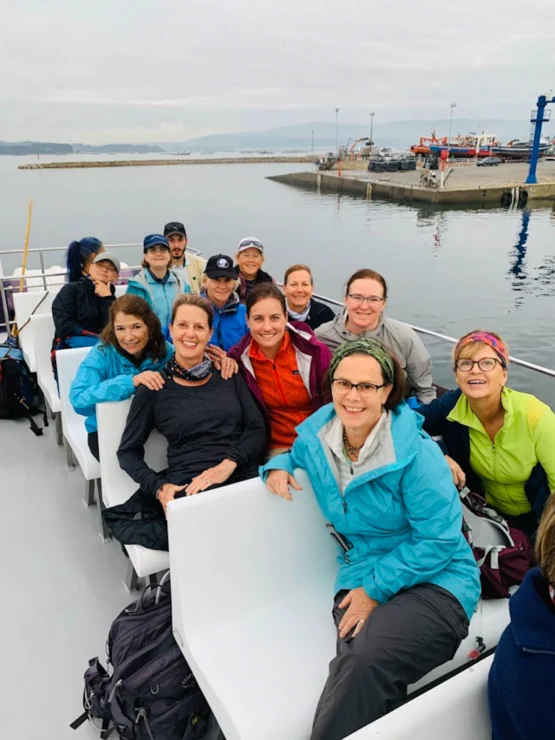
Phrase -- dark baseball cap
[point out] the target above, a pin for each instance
(220, 265)
(154, 240)
(175, 227)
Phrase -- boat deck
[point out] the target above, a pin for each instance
(62, 587)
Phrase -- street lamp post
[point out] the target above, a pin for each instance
(371, 128)
(452, 106)
(337, 132)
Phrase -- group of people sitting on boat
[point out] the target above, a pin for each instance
(243, 378)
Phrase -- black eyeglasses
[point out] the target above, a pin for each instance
(343, 387)
(358, 299)
(486, 364)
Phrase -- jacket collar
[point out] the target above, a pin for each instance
(532, 615)
(340, 323)
(397, 437)
(231, 305)
(463, 414)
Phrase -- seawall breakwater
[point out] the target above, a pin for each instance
(164, 162)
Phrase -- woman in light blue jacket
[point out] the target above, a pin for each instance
(408, 583)
(156, 282)
(132, 351)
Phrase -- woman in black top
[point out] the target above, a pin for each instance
(214, 429)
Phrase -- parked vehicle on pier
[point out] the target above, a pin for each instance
(489, 162)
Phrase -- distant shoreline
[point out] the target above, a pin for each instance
(165, 162)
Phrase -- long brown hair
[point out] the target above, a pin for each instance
(133, 305)
(545, 541)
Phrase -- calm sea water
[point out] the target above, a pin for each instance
(450, 270)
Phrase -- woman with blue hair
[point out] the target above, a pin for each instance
(80, 255)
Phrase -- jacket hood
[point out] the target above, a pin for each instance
(532, 618)
(406, 427)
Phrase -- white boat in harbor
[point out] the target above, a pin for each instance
(249, 552)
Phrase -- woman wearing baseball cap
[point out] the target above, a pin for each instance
(250, 258)
(81, 309)
(230, 315)
(156, 282)
(499, 442)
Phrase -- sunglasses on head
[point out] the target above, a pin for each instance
(251, 243)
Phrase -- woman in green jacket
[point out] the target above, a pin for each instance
(499, 441)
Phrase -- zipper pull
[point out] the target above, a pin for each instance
(344, 506)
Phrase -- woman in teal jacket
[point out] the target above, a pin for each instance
(408, 583)
(132, 352)
(156, 282)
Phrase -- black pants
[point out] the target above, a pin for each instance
(410, 635)
(92, 439)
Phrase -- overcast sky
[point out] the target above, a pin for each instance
(101, 71)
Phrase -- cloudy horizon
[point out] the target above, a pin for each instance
(148, 71)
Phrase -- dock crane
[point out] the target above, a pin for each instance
(538, 117)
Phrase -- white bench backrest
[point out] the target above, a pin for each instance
(117, 486)
(42, 327)
(24, 305)
(252, 590)
(455, 710)
(67, 363)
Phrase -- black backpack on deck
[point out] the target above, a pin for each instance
(17, 387)
(148, 691)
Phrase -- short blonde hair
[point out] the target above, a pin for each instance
(545, 541)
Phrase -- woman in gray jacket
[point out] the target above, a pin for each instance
(363, 317)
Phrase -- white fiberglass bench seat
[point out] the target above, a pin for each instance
(252, 591)
(24, 305)
(455, 710)
(73, 424)
(42, 328)
(117, 486)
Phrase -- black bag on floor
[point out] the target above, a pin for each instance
(148, 691)
(17, 387)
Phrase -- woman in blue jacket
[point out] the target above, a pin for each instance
(132, 352)
(230, 316)
(156, 282)
(408, 583)
(522, 676)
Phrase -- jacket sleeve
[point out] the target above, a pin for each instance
(544, 441)
(435, 413)
(131, 452)
(64, 312)
(250, 445)
(434, 515)
(419, 370)
(105, 306)
(92, 384)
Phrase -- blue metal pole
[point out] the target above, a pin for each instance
(534, 156)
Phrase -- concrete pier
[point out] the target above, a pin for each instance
(164, 162)
(468, 184)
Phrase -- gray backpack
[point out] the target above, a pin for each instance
(148, 691)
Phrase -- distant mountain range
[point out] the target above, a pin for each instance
(398, 134)
(43, 147)
(395, 134)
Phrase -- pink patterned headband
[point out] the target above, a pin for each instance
(484, 337)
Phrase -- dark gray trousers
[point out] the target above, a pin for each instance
(404, 639)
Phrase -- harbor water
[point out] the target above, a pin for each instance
(450, 270)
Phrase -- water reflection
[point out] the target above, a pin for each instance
(518, 256)
(541, 281)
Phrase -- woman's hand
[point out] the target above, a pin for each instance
(459, 478)
(222, 362)
(278, 482)
(150, 378)
(167, 494)
(102, 290)
(359, 606)
(211, 477)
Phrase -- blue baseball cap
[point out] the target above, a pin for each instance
(155, 240)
